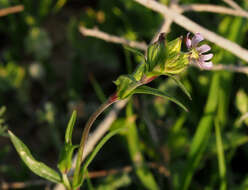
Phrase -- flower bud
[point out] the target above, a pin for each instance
(164, 59)
(156, 53)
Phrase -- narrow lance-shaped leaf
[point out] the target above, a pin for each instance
(37, 167)
(156, 92)
(181, 86)
(65, 156)
(135, 51)
(70, 126)
(220, 156)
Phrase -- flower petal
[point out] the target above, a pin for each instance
(206, 57)
(196, 39)
(203, 48)
(207, 65)
(188, 41)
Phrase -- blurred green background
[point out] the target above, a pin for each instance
(48, 69)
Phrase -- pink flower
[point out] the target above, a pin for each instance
(197, 52)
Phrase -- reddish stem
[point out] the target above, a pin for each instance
(146, 80)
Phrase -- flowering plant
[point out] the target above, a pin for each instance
(163, 58)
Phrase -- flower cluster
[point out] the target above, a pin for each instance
(164, 58)
(197, 55)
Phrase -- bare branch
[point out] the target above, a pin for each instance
(110, 38)
(167, 21)
(213, 9)
(127, 169)
(233, 4)
(232, 68)
(11, 10)
(21, 185)
(194, 27)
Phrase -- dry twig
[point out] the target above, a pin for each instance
(21, 185)
(11, 10)
(110, 38)
(213, 9)
(194, 27)
(93, 174)
(232, 68)
(165, 27)
(233, 4)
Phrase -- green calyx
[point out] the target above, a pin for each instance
(163, 58)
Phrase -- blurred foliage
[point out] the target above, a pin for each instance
(47, 69)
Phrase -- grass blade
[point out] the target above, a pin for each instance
(221, 157)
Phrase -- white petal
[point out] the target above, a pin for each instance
(207, 57)
(188, 41)
(196, 39)
(203, 48)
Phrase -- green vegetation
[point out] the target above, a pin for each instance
(186, 129)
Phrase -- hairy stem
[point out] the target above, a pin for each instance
(85, 135)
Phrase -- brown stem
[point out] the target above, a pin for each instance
(85, 134)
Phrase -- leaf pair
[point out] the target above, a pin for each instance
(41, 169)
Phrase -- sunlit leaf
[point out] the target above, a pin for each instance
(183, 88)
(156, 92)
(35, 166)
(65, 158)
(69, 130)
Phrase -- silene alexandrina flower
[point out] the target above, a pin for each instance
(197, 53)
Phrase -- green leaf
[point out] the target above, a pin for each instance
(181, 86)
(35, 166)
(156, 92)
(242, 101)
(65, 158)
(68, 133)
(139, 72)
(125, 85)
(221, 157)
(93, 154)
(201, 137)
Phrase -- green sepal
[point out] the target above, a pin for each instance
(166, 58)
(156, 92)
(65, 158)
(157, 54)
(174, 46)
(125, 85)
(35, 166)
(175, 64)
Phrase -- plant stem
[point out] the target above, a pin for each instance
(85, 135)
(66, 181)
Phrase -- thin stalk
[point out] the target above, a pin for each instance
(85, 135)
(66, 182)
